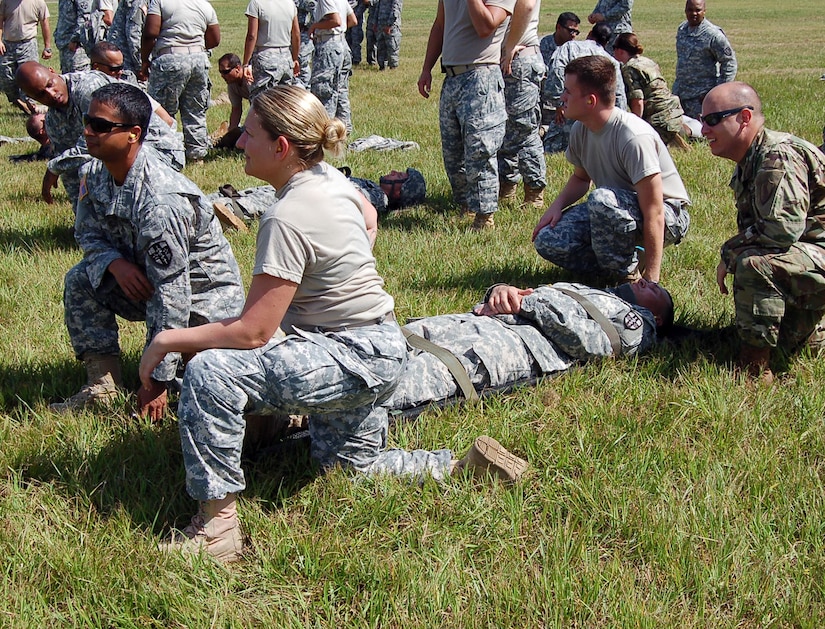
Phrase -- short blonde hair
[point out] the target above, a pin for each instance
(296, 114)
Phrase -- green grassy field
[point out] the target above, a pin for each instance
(665, 491)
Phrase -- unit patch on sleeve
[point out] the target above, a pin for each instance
(160, 253)
(632, 320)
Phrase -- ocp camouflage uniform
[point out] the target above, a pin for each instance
(602, 233)
(552, 333)
(557, 137)
(778, 256)
(521, 154)
(65, 129)
(17, 53)
(181, 82)
(306, 8)
(472, 116)
(704, 59)
(71, 22)
(160, 221)
(387, 44)
(643, 80)
(126, 31)
(617, 15)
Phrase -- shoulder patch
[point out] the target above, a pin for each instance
(160, 253)
(728, 51)
(83, 190)
(633, 321)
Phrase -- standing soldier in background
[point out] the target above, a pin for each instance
(388, 35)
(332, 63)
(522, 155)
(355, 35)
(18, 44)
(177, 35)
(272, 45)
(126, 31)
(614, 13)
(306, 10)
(704, 58)
(71, 24)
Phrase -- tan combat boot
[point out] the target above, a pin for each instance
(102, 380)
(756, 361)
(488, 457)
(506, 190)
(482, 222)
(534, 197)
(214, 530)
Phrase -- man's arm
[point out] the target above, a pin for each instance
(576, 187)
(295, 46)
(46, 30)
(329, 21)
(518, 24)
(652, 206)
(435, 44)
(485, 19)
(725, 57)
(251, 39)
(212, 36)
(151, 30)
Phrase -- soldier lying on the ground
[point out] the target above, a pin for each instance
(515, 336)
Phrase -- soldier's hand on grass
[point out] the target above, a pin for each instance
(49, 181)
(131, 280)
(152, 400)
(721, 273)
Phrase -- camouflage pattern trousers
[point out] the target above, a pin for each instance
(601, 234)
(339, 378)
(355, 35)
(17, 52)
(305, 55)
(779, 296)
(472, 118)
(73, 61)
(331, 69)
(387, 47)
(521, 153)
(270, 67)
(181, 82)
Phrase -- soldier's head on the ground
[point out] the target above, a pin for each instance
(652, 296)
(106, 57)
(567, 27)
(594, 75)
(130, 105)
(230, 68)
(404, 189)
(297, 115)
(695, 12)
(36, 128)
(731, 119)
(601, 34)
(42, 84)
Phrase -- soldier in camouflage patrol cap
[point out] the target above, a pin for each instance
(152, 250)
(778, 256)
(71, 22)
(530, 333)
(704, 58)
(126, 31)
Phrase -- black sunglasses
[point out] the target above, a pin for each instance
(716, 117)
(572, 31)
(112, 68)
(101, 125)
(226, 70)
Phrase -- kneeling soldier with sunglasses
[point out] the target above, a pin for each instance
(778, 256)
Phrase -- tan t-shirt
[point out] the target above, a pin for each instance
(274, 22)
(462, 45)
(315, 236)
(21, 17)
(622, 153)
(182, 23)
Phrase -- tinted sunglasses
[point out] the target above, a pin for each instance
(573, 31)
(716, 117)
(101, 125)
(226, 70)
(112, 68)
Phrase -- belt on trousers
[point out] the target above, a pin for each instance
(390, 316)
(179, 50)
(456, 70)
(319, 38)
(260, 48)
(528, 50)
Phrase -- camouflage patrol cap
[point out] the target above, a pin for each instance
(414, 189)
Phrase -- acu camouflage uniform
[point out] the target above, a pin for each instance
(160, 221)
(355, 35)
(71, 24)
(126, 31)
(371, 34)
(552, 333)
(778, 256)
(643, 80)
(704, 59)
(617, 15)
(331, 69)
(387, 44)
(306, 9)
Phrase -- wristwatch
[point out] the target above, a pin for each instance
(47, 49)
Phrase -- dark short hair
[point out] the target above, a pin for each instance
(567, 16)
(595, 74)
(601, 34)
(102, 47)
(230, 59)
(130, 103)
